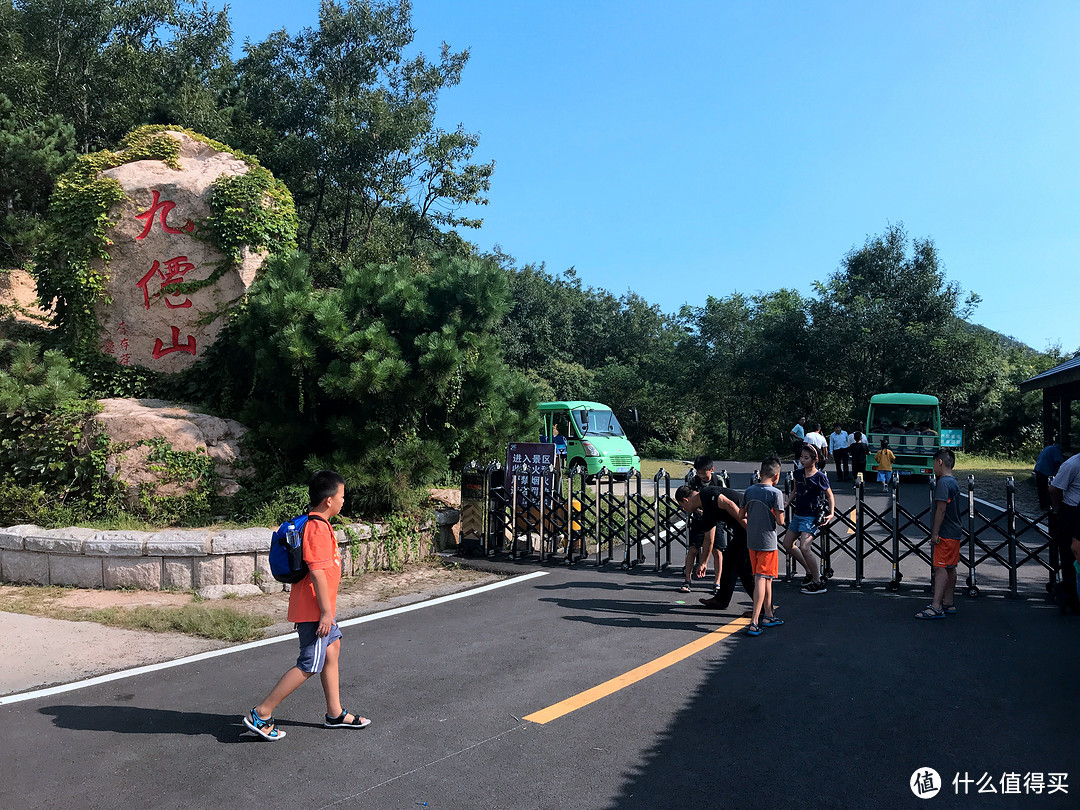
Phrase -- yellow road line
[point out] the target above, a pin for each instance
(633, 676)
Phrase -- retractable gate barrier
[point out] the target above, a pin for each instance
(994, 535)
(534, 513)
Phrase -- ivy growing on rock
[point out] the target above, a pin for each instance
(251, 211)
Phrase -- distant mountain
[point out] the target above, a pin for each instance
(1006, 341)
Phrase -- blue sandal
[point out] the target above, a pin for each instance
(930, 612)
(754, 630)
(267, 729)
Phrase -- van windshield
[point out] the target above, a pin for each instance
(599, 423)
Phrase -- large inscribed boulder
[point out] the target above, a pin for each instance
(181, 224)
(148, 319)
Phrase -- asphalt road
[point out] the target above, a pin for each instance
(837, 708)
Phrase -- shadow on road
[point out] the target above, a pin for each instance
(841, 705)
(225, 728)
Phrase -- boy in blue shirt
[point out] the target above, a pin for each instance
(763, 511)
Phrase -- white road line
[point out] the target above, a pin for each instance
(191, 659)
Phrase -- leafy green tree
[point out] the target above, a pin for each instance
(750, 355)
(396, 377)
(1000, 419)
(889, 320)
(78, 75)
(349, 124)
(107, 66)
(49, 446)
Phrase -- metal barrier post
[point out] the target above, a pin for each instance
(596, 527)
(1054, 557)
(540, 513)
(933, 506)
(495, 524)
(1010, 517)
(571, 512)
(859, 528)
(973, 586)
(826, 552)
(667, 523)
(790, 564)
(656, 513)
(894, 505)
(514, 511)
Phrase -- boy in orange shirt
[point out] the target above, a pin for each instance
(312, 606)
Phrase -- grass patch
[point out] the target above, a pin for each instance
(994, 465)
(651, 466)
(194, 619)
(991, 473)
(204, 621)
(34, 601)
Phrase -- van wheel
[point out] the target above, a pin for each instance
(578, 468)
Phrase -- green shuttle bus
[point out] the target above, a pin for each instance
(912, 424)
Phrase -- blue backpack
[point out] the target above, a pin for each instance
(287, 558)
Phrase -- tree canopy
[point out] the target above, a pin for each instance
(389, 345)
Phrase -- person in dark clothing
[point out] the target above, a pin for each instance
(1046, 467)
(736, 559)
(857, 451)
(698, 478)
(721, 505)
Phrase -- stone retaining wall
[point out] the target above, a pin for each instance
(172, 559)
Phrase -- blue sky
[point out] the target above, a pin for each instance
(684, 149)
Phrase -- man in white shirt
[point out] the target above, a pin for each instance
(815, 438)
(838, 444)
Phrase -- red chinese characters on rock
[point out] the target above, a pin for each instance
(165, 277)
(160, 350)
(125, 358)
(175, 269)
(161, 209)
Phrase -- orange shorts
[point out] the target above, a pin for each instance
(946, 553)
(764, 563)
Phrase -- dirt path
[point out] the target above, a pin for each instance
(37, 649)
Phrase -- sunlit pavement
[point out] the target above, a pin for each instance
(839, 707)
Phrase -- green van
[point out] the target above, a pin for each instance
(593, 436)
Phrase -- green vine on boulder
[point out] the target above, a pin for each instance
(179, 467)
(253, 211)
